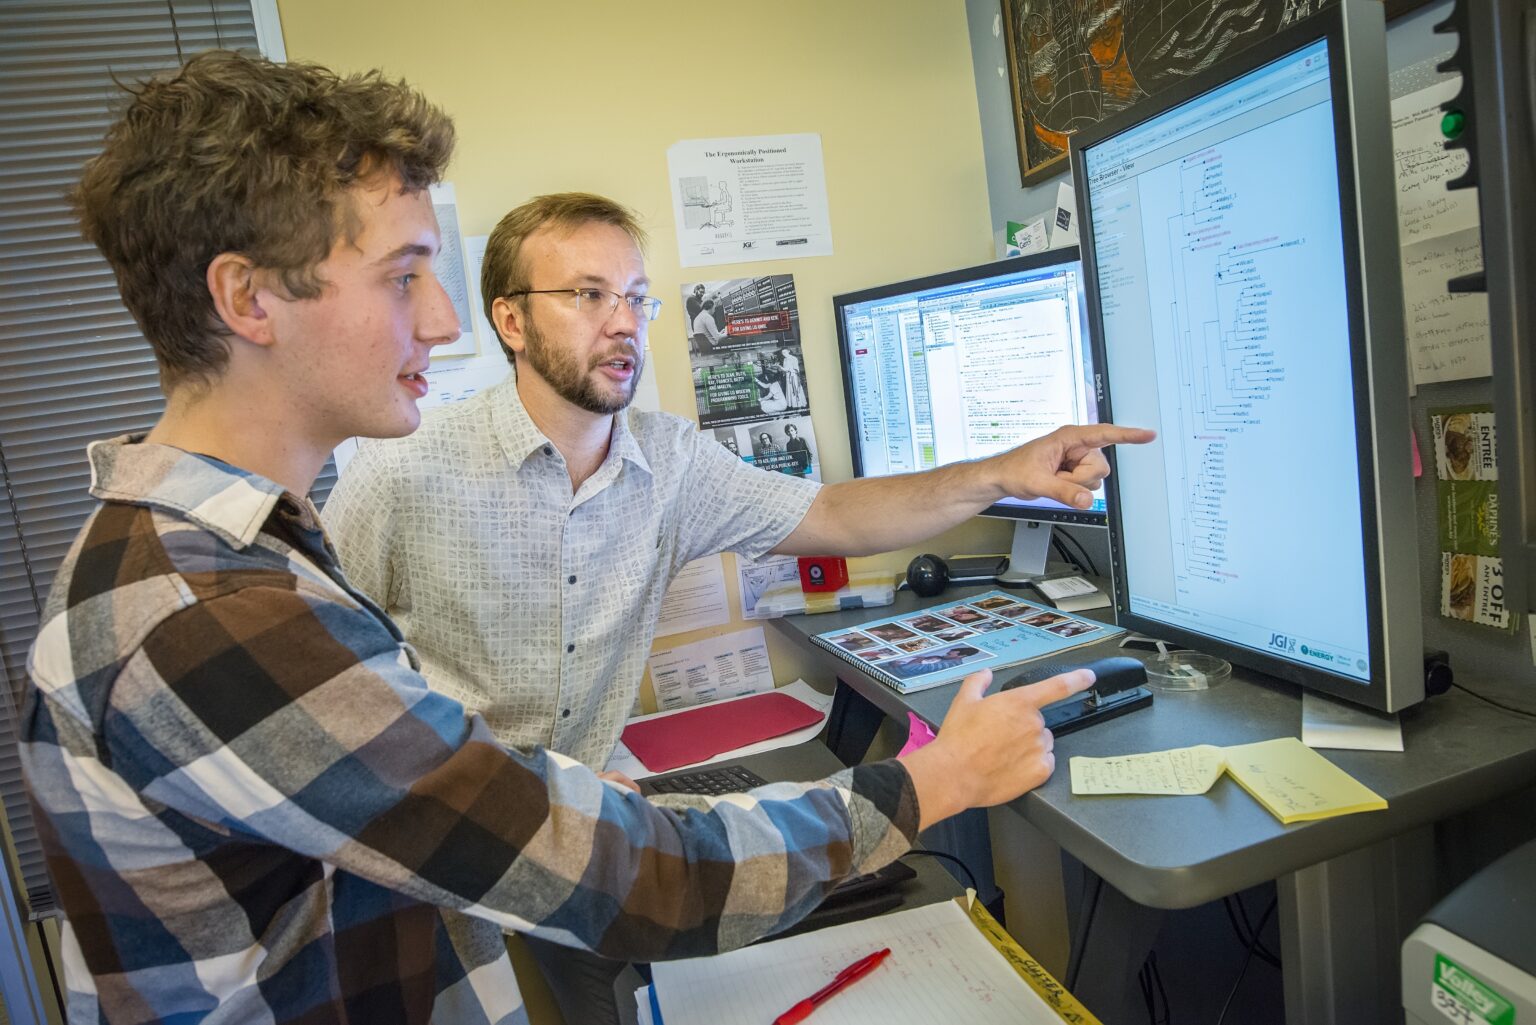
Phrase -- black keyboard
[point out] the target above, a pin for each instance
(727, 779)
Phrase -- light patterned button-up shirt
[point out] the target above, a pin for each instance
(533, 606)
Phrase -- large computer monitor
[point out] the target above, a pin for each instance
(967, 364)
(1240, 249)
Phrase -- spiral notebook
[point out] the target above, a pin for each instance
(919, 650)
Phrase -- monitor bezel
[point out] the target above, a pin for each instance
(1381, 690)
(1046, 260)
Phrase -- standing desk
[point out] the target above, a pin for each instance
(1349, 888)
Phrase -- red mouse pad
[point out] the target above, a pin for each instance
(664, 744)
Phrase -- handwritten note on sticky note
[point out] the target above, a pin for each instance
(1291, 780)
(1185, 770)
(1438, 230)
(1425, 208)
(1296, 783)
(1447, 334)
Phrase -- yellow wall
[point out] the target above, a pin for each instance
(552, 97)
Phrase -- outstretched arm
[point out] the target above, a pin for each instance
(320, 739)
(878, 514)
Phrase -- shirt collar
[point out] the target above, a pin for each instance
(222, 499)
(510, 422)
(520, 438)
(625, 444)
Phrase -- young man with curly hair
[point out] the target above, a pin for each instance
(252, 805)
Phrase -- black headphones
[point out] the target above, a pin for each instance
(927, 575)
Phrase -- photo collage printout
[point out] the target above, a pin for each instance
(947, 642)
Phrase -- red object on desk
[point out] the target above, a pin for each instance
(823, 573)
(670, 741)
(863, 966)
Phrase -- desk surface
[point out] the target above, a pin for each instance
(1177, 852)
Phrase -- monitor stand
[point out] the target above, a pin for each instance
(1336, 724)
(1026, 559)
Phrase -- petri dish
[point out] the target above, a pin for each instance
(1187, 671)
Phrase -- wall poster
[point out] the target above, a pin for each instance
(1072, 63)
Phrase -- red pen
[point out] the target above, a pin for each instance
(863, 966)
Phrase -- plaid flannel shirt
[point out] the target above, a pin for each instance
(255, 810)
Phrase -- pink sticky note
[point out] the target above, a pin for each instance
(1418, 464)
(919, 734)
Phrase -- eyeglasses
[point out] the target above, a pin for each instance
(600, 301)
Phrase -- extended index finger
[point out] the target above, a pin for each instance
(1057, 688)
(1099, 435)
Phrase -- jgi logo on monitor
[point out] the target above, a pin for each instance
(1280, 642)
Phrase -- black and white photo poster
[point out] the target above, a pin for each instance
(749, 371)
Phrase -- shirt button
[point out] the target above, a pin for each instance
(571, 579)
(570, 648)
(565, 713)
(548, 451)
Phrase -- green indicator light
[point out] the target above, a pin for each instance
(1452, 124)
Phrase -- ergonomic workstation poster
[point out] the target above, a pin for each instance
(749, 371)
(753, 198)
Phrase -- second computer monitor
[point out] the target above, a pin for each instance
(967, 364)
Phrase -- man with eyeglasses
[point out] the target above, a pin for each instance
(524, 539)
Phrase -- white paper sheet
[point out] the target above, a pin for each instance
(485, 334)
(749, 198)
(755, 578)
(1064, 218)
(1447, 334)
(451, 270)
(696, 598)
(717, 667)
(343, 455)
(1425, 207)
(941, 969)
(647, 396)
(1438, 231)
(623, 760)
(643, 1006)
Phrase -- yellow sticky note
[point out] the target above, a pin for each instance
(1183, 770)
(1296, 783)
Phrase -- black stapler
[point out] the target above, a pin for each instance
(1120, 687)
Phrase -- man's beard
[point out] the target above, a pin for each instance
(570, 380)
